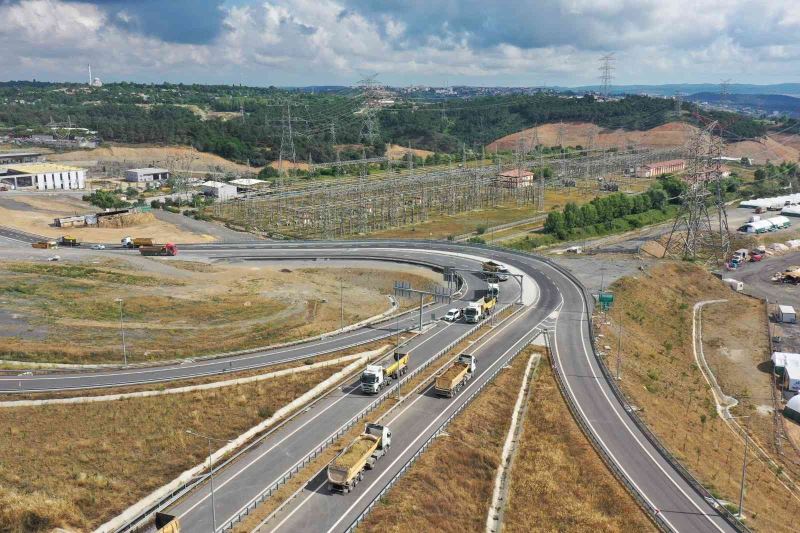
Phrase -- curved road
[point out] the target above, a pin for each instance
(559, 305)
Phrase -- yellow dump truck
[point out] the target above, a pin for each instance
(45, 244)
(347, 468)
(377, 376)
(166, 523)
(68, 240)
(449, 382)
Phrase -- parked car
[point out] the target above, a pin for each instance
(98, 247)
(453, 314)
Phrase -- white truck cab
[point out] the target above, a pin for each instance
(469, 360)
(372, 379)
(473, 312)
(494, 289)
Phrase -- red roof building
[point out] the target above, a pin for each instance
(653, 170)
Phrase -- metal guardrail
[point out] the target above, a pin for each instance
(360, 518)
(388, 393)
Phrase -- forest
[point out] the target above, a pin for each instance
(251, 124)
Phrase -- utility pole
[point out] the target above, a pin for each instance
(341, 304)
(210, 473)
(619, 344)
(122, 332)
(744, 474)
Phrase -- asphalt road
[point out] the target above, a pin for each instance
(560, 303)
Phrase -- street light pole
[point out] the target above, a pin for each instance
(122, 331)
(744, 466)
(341, 304)
(210, 474)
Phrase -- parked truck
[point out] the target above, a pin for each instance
(495, 269)
(377, 376)
(449, 382)
(347, 468)
(129, 242)
(68, 240)
(479, 309)
(159, 249)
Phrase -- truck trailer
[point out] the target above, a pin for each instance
(377, 376)
(128, 242)
(495, 269)
(68, 240)
(159, 249)
(347, 468)
(449, 382)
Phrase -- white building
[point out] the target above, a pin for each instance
(791, 375)
(42, 176)
(143, 175)
(219, 190)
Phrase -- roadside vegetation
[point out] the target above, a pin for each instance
(558, 482)
(69, 313)
(660, 377)
(76, 466)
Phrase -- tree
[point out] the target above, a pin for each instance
(555, 224)
(572, 216)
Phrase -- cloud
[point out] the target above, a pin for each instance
(503, 42)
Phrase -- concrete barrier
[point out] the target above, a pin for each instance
(159, 494)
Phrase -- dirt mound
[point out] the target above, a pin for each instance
(395, 151)
(127, 220)
(762, 149)
(160, 156)
(585, 133)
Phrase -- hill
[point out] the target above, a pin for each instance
(752, 103)
(776, 148)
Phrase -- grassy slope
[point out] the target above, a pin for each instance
(558, 481)
(659, 376)
(79, 465)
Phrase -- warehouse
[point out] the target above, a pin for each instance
(9, 158)
(660, 168)
(144, 175)
(42, 176)
(219, 190)
(792, 409)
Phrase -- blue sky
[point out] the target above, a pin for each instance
(432, 42)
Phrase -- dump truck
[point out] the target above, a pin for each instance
(479, 309)
(377, 376)
(495, 269)
(347, 468)
(45, 245)
(128, 242)
(449, 382)
(68, 240)
(159, 249)
(167, 523)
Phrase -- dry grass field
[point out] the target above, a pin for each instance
(76, 466)
(558, 482)
(178, 312)
(661, 378)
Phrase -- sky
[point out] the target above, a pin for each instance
(411, 42)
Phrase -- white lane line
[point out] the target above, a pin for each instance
(262, 454)
(614, 407)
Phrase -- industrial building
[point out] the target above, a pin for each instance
(515, 178)
(42, 176)
(659, 168)
(10, 158)
(792, 409)
(219, 190)
(249, 184)
(144, 175)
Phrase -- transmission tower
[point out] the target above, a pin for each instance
(560, 135)
(371, 93)
(678, 103)
(693, 235)
(724, 92)
(606, 68)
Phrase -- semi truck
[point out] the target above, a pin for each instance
(347, 468)
(68, 240)
(479, 309)
(377, 376)
(495, 269)
(449, 382)
(159, 249)
(128, 242)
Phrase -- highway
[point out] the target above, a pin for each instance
(559, 305)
